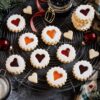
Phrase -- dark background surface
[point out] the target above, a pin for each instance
(20, 92)
(27, 94)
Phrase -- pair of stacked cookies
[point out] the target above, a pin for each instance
(82, 17)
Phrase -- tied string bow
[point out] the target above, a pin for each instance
(41, 12)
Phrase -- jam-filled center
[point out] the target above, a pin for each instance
(83, 69)
(66, 52)
(15, 22)
(57, 75)
(40, 57)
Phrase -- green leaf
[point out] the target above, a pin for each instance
(4, 4)
(1, 16)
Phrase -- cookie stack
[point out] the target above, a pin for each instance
(82, 17)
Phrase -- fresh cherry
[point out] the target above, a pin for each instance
(60, 3)
(4, 44)
(14, 63)
(85, 11)
(89, 38)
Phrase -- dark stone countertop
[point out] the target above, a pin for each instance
(24, 93)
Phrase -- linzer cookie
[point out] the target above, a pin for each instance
(28, 41)
(77, 21)
(16, 23)
(56, 77)
(15, 64)
(39, 58)
(66, 53)
(51, 35)
(82, 70)
(82, 17)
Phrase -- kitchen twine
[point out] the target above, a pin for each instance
(48, 13)
(41, 12)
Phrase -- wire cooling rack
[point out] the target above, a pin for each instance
(82, 51)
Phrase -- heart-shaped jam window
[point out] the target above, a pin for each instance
(51, 33)
(15, 22)
(14, 63)
(28, 40)
(57, 75)
(83, 69)
(66, 52)
(40, 57)
(85, 11)
(91, 86)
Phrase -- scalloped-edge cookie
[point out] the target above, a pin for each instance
(15, 64)
(56, 77)
(16, 23)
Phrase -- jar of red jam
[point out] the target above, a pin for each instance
(60, 6)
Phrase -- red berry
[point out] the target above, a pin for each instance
(4, 44)
(89, 38)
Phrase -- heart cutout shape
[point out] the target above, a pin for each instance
(14, 63)
(69, 35)
(83, 69)
(28, 40)
(40, 57)
(33, 78)
(85, 11)
(51, 33)
(93, 53)
(57, 75)
(28, 10)
(15, 22)
(66, 52)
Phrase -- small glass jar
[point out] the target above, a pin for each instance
(5, 86)
(60, 6)
(56, 8)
